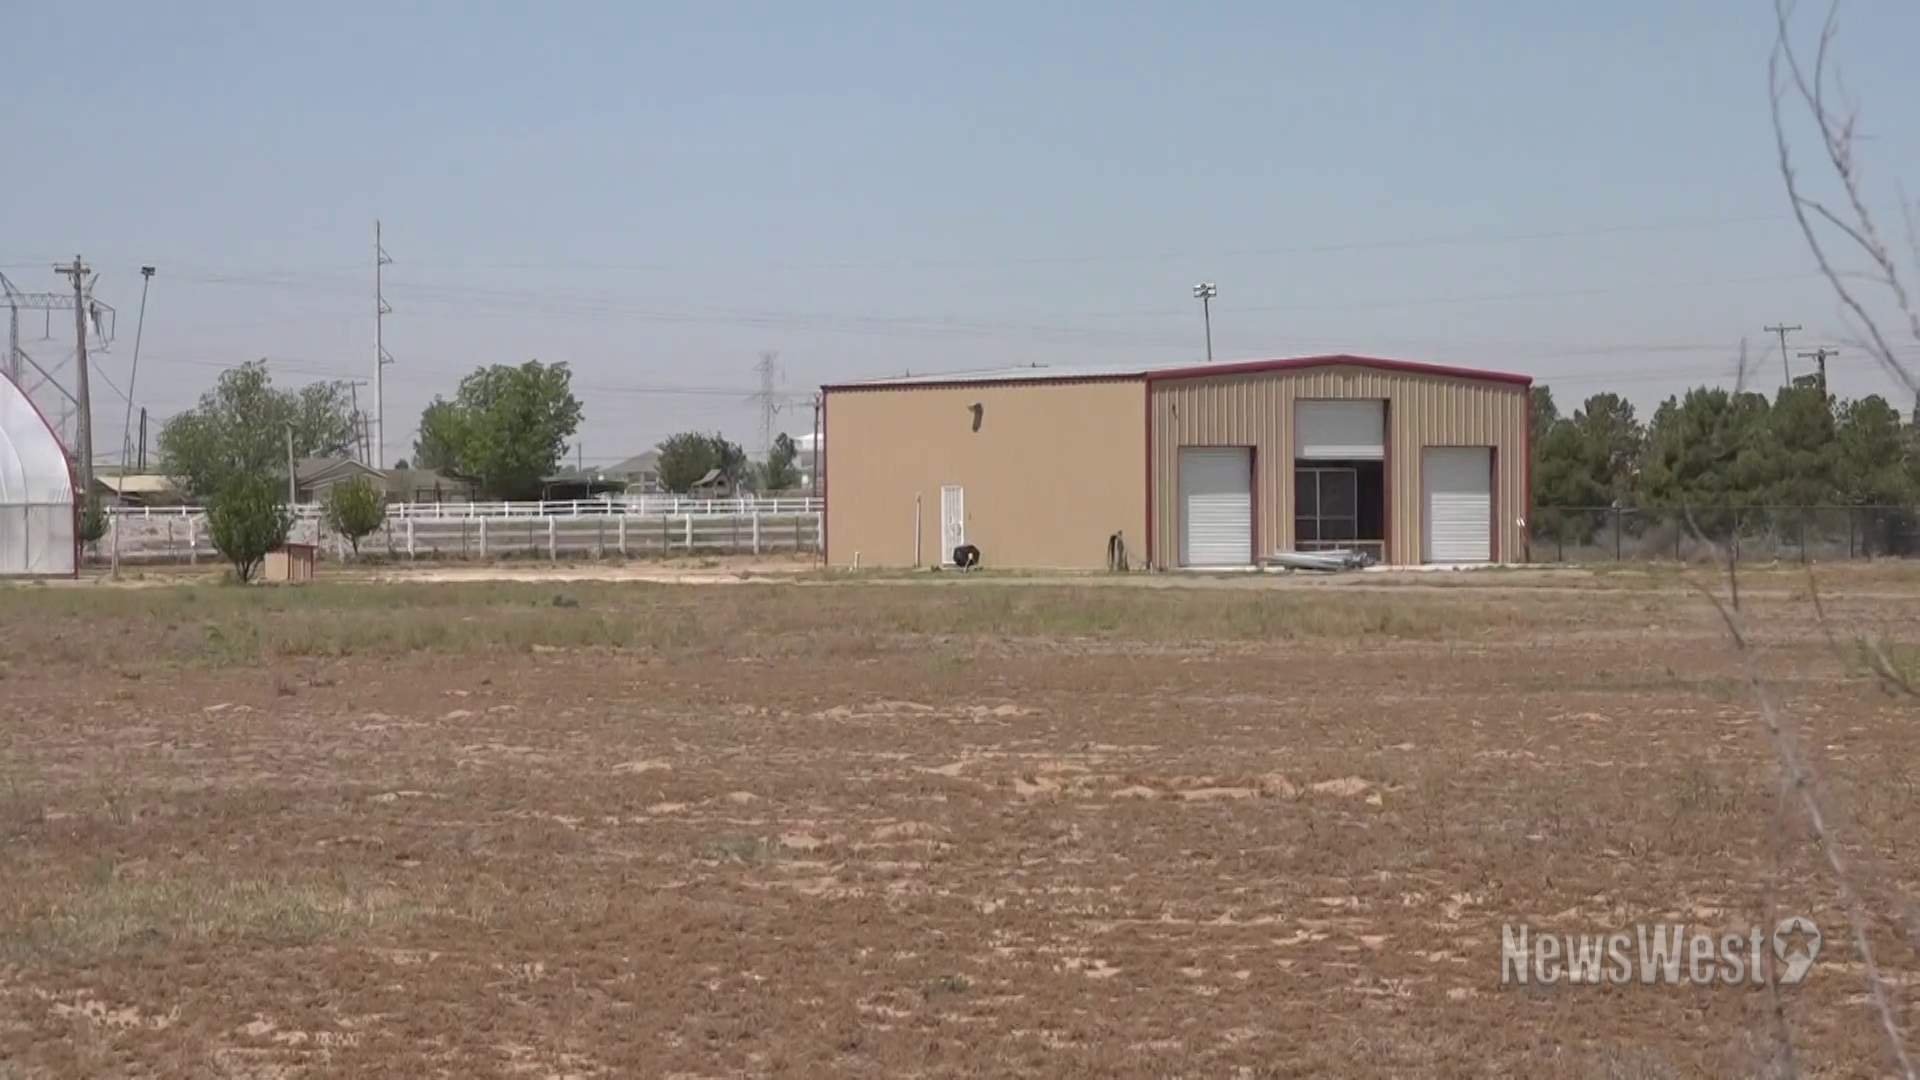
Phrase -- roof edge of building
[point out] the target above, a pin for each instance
(1045, 376)
(1409, 367)
(1050, 379)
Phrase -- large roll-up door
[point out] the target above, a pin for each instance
(1216, 506)
(1350, 430)
(1457, 504)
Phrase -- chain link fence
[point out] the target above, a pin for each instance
(1752, 534)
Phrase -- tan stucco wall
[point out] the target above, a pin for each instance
(1055, 469)
(1257, 410)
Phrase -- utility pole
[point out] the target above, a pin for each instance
(1205, 292)
(82, 391)
(1786, 369)
(293, 468)
(813, 466)
(381, 358)
(1820, 356)
(816, 467)
(143, 438)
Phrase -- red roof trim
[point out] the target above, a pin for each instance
(950, 384)
(1201, 371)
(1409, 367)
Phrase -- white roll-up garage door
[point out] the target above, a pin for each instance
(1216, 506)
(1351, 430)
(1457, 504)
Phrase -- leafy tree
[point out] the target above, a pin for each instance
(245, 520)
(690, 455)
(239, 430)
(1566, 469)
(1872, 463)
(1544, 413)
(1590, 459)
(1708, 451)
(355, 509)
(1800, 456)
(505, 429)
(1615, 441)
(442, 434)
(779, 472)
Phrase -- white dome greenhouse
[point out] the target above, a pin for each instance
(37, 521)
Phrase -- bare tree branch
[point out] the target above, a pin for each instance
(1802, 786)
(1788, 78)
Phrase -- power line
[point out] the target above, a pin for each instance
(948, 327)
(1469, 239)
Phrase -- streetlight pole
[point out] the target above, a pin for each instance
(1205, 292)
(126, 430)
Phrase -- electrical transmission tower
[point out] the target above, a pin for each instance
(381, 358)
(18, 361)
(768, 399)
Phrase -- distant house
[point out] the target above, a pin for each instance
(714, 485)
(641, 473)
(807, 460)
(137, 489)
(426, 486)
(315, 478)
(574, 485)
(637, 475)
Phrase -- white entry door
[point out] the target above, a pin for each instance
(1216, 506)
(1457, 504)
(953, 521)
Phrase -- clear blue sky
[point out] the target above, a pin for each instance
(655, 193)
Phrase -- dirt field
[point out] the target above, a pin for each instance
(592, 829)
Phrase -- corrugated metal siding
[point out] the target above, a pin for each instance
(1053, 471)
(1257, 410)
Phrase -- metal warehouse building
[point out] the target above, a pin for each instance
(1212, 466)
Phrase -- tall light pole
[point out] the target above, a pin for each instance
(1205, 292)
(126, 431)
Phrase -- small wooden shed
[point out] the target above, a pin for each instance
(292, 562)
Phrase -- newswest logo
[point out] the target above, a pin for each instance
(1657, 953)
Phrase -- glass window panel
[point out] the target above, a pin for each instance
(1339, 494)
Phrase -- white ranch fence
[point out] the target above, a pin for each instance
(589, 528)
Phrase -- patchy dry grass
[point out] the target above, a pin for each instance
(223, 626)
(983, 829)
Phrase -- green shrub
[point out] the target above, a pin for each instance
(355, 509)
(245, 520)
